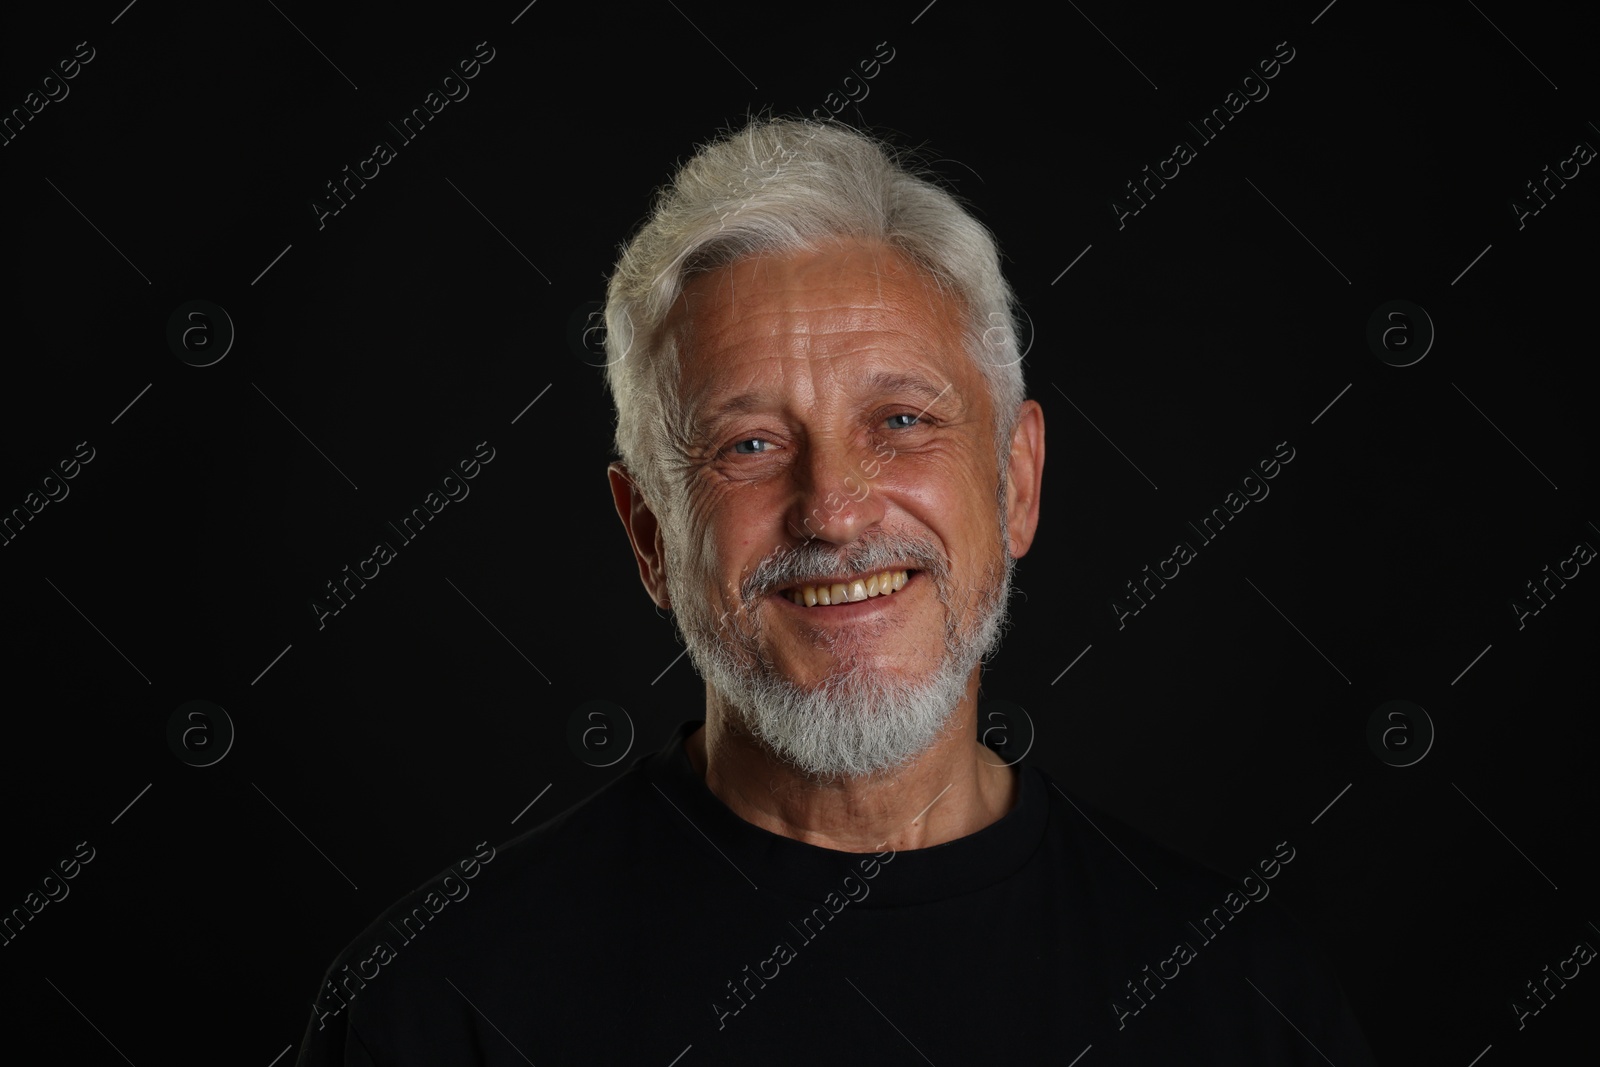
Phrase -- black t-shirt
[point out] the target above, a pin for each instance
(651, 925)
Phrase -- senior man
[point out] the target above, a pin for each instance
(828, 472)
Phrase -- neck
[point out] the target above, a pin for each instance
(956, 788)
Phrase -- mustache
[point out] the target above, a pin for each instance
(812, 560)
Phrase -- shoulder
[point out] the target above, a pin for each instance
(1111, 851)
(1135, 879)
(478, 916)
(1162, 915)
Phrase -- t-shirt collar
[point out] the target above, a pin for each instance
(793, 868)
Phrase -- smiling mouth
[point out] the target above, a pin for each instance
(847, 591)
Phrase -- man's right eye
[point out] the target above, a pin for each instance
(744, 448)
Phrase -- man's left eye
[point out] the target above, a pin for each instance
(743, 447)
(911, 420)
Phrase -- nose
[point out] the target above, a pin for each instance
(834, 499)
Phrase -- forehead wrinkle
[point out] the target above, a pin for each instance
(758, 396)
(831, 318)
(864, 384)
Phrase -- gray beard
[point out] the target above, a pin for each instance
(857, 722)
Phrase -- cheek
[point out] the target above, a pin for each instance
(715, 534)
(952, 496)
(970, 530)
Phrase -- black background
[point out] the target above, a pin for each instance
(377, 351)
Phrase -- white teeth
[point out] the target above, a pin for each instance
(881, 584)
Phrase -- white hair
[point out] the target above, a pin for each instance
(782, 186)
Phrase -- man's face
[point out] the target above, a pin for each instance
(837, 431)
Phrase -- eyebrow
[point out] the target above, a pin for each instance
(880, 382)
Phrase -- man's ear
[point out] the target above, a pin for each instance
(1024, 478)
(644, 533)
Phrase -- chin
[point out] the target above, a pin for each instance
(814, 669)
(850, 723)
